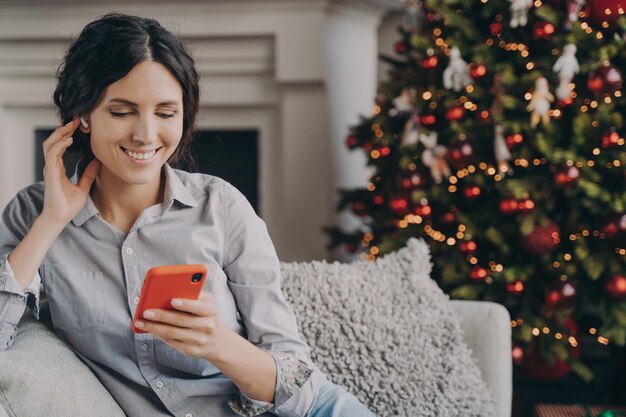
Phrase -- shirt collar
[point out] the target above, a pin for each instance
(174, 190)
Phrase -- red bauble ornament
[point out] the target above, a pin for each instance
(477, 71)
(461, 153)
(448, 218)
(538, 367)
(411, 181)
(385, 151)
(430, 62)
(616, 227)
(379, 200)
(495, 28)
(610, 229)
(543, 30)
(428, 119)
(423, 210)
(468, 246)
(360, 208)
(478, 273)
(455, 113)
(611, 139)
(399, 205)
(563, 104)
(517, 353)
(560, 295)
(483, 117)
(600, 11)
(542, 239)
(526, 205)
(471, 191)
(567, 176)
(433, 17)
(352, 141)
(399, 47)
(514, 140)
(508, 206)
(605, 80)
(515, 288)
(615, 287)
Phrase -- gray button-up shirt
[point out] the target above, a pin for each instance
(93, 274)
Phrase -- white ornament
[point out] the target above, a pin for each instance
(457, 74)
(434, 157)
(539, 105)
(573, 9)
(519, 12)
(501, 151)
(413, 15)
(404, 102)
(411, 132)
(566, 67)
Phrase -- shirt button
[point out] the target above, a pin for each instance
(145, 346)
(20, 297)
(136, 300)
(129, 251)
(159, 384)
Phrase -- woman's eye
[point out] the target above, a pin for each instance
(119, 114)
(165, 115)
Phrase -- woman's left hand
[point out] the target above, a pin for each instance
(193, 327)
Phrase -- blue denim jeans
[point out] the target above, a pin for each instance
(334, 401)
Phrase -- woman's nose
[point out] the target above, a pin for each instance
(145, 131)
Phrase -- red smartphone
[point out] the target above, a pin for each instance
(162, 283)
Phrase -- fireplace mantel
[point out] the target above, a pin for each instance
(298, 71)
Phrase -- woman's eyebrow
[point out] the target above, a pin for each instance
(132, 103)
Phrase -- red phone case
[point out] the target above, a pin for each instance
(162, 283)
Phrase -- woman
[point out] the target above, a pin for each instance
(128, 97)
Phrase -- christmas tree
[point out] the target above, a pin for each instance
(499, 139)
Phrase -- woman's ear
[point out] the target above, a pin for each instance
(84, 125)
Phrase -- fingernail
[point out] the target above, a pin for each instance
(69, 139)
(149, 314)
(139, 324)
(70, 122)
(176, 302)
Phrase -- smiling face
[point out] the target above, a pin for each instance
(137, 125)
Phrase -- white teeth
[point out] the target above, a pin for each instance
(140, 156)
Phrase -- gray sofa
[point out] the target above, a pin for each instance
(40, 375)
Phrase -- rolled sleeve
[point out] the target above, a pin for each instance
(13, 301)
(253, 272)
(16, 221)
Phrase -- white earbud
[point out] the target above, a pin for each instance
(84, 122)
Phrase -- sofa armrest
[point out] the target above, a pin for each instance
(487, 332)
(41, 376)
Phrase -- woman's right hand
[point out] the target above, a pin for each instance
(62, 199)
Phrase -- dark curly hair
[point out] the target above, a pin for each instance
(106, 50)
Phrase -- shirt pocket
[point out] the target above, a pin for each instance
(75, 297)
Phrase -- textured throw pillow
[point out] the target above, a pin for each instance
(386, 332)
